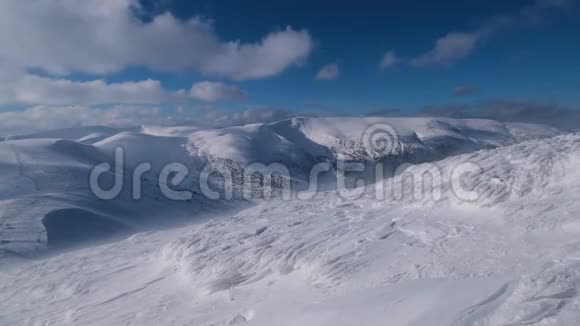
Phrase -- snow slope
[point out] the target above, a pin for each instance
(509, 256)
(46, 200)
(44, 176)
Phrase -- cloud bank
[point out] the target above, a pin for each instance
(105, 36)
(41, 118)
(32, 89)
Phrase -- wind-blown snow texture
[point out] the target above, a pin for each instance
(44, 176)
(509, 257)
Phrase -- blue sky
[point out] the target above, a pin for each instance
(536, 60)
(303, 56)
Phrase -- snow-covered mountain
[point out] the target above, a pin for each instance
(301, 143)
(80, 134)
(502, 251)
(45, 198)
(422, 139)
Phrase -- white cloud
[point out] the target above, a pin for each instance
(17, 87)
(455, 46)
(214, 91)
(448, 49)
(328, 72)
(32, 89)
(390, 59)
(104, 36)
